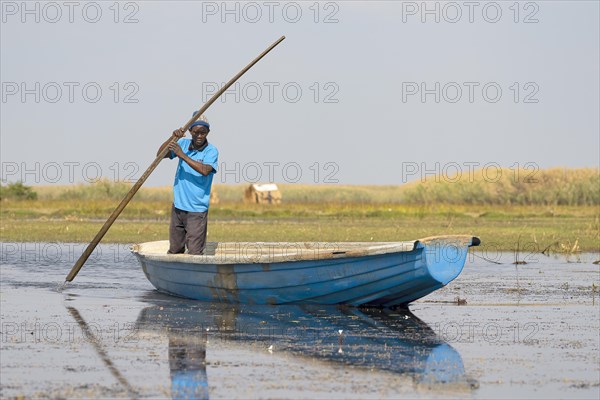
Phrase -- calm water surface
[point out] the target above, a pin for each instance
(525, 331)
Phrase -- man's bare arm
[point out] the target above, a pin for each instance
(178, 133)
(197, 166)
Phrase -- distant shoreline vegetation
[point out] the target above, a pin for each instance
(558, 212)
(17, 191)
(555, 186)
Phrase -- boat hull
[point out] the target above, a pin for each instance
(376, 278)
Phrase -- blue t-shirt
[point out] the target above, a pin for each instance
(191, 190)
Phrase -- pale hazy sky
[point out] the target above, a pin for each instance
(349, 96)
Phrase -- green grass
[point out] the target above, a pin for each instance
(537, 226)
(561, 210)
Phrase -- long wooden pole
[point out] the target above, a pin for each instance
(90, 248)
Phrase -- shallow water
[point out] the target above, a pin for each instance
(525, 331)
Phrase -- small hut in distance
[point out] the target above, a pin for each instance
(267, 193)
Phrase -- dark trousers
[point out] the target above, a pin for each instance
(187, 229)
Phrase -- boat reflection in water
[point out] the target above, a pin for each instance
(384, 339)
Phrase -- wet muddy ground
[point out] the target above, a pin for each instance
(499, 330)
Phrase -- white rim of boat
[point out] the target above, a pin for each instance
(272, 252)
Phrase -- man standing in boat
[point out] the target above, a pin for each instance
(191, 190)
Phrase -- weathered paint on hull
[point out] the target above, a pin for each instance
(386, 280)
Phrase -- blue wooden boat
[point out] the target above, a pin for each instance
(381, 274)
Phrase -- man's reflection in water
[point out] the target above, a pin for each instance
(187, 361)
(388, 340)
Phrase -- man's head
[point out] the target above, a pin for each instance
(199, 130)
